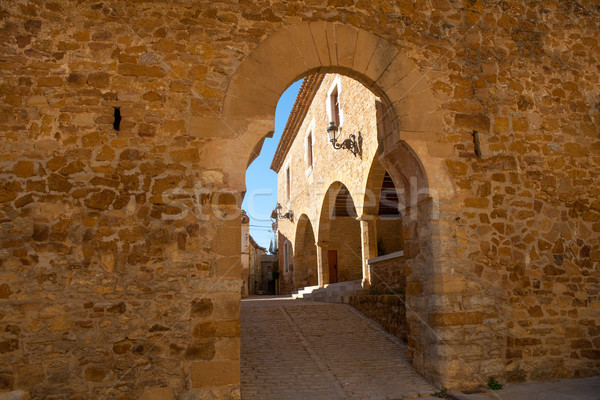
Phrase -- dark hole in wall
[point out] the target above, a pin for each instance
(477, 144)
(117, 121)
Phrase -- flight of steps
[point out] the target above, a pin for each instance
(331, 293)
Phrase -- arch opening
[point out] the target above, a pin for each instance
(406, 108)
(340, 236)
(305, 255)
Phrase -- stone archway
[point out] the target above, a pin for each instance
(305, 255)
(385, 202)
(339, 237)
(299, 50)
(415, 123)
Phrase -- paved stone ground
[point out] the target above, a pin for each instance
(294, 349)
(569, 389)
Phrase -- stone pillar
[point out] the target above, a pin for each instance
(322, 262)
(368, 232)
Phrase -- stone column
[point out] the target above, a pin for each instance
(322, 262)
(368, 231)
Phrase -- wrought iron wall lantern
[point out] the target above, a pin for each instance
(288, 215)
(353, 144)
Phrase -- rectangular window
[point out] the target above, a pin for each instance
(288, 183)
(286, 256)
(333, 101)
(335, 106)
(309, 150)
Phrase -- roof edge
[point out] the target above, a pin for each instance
(306, 94)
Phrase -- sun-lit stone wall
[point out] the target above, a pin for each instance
(119, 267)
(310, 185)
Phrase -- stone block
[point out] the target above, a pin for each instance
(345, 44)
(447, 284)
(207, 330)
(318, 31)
(228, 349)
(455, 319)
(232, 244)
(401, 78)
(50, 81)
(226, 306)
(200, 351)
(366, 43)
(189, 155)
(383, 55)
(201, 308)
(279, 45)
(158, 393)
(476, 122)
(37, 101)
(15, 395)
(415, 103)
(422, 123)
(152, 71)
(24, 169)
(214, 373)
(301, 37)
(253, 71)
(477, 202)
(414, 287)
(228, 267)
(95, 374)
(278, 59)
(441, 150)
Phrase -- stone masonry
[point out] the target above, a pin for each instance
(120, 248)
(314, 187)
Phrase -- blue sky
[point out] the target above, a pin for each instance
(261, 181)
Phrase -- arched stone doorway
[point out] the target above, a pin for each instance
(305, 255)
(339, 237)
(410, 106)
(382, 213)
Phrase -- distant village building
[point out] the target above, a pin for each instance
(345, 205)
(265, 275)
(256, 263)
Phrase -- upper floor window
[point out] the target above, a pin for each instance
(309, 150)
(288, 183)
(286, 256)
(334, 108)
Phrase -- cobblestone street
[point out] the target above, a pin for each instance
(293, 349)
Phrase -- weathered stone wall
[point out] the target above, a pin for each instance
(345, 239)
(388, 310)
(111, 284)
(116, 279)
(389, 236)
(305, 257)
(285, 281)
(310, 185)
(246, 255)
(255, 259)
(388, 275)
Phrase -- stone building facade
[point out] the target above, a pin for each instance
(251, 262)
(256, 255)
(329, 241)
(246, 254)
(127, 128)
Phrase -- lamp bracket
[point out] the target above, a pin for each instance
(352, 144)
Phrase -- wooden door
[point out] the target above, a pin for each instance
(333, 266)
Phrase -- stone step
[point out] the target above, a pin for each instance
(331, 293)
(303, 293)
